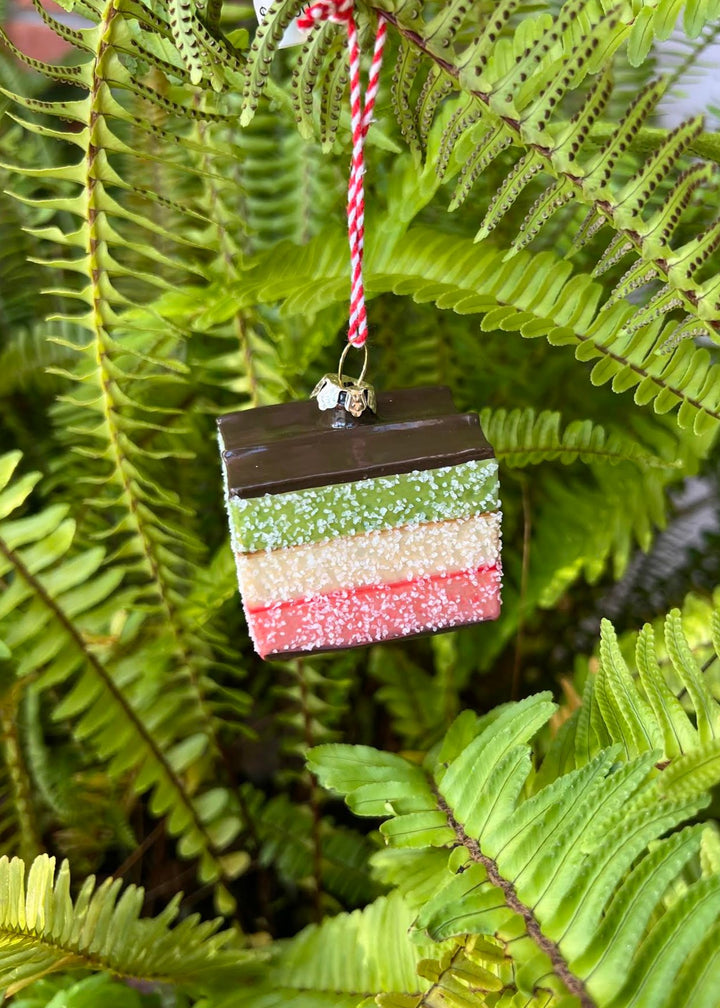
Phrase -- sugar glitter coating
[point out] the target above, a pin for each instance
(375, 558)
(303, 516)
(370, 560)
(352, 617)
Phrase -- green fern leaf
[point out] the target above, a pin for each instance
(540, 874)
(44, 930)
(544, 300)
(56, 602)
(100, 989)
(18, 822)
(345, 961)
(124, 414)
(639, 709)
(520, 438)
(266, 40)
(516, 85)
(408, 63)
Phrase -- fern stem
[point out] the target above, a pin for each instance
(551, 949)
(105, 677)
(20, 782)
(647, 138)
(95, 216)
(314, 797)
(426, 998)
(139, 851)
(650, 138)
(227, 256)
(70, 959)
(585, 189)
(522, 602)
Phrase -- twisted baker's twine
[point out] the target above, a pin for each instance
(342, 12)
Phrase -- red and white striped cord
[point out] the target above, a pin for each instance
(342, 12)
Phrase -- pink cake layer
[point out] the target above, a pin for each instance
(370, 613)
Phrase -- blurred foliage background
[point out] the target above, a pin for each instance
(160, 265)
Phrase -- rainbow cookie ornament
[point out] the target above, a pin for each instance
(372, 517)
(355, 529)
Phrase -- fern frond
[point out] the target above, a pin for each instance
(126, 409)
(407, 66)
(520, 438)
(73, 75)
(18, 823)
(467, 970)
(265, 43)
(344, 961)
(410, 695)
(311, 851)
(311, 702)
(44, 930)
(98, 989)
(535, 296)
(516, 84)
(59, 601)
(637, 706)
(289, 187)
(304, 844)
(320, 51)
(544, 876)
(85, 811)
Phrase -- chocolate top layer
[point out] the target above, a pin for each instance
(295, 446)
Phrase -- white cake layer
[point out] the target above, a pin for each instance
(375, 558)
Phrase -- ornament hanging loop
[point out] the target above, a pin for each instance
(341, 364)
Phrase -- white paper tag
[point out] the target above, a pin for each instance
(293, 35)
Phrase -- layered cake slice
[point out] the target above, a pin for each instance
(350, 531)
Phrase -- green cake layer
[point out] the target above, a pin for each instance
(274, 521)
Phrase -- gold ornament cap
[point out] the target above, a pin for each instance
(354, 395)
